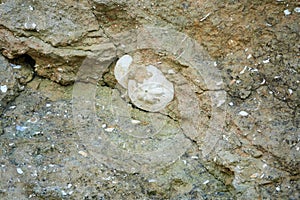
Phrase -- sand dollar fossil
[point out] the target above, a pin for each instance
(147, 87)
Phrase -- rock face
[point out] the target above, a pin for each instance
(231, 131)
(58, 35)
(8, 87)
(13, 77)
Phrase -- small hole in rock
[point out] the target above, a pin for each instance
(24, 59)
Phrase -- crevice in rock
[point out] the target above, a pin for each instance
(24, 59)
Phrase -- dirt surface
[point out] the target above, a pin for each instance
(68, 129)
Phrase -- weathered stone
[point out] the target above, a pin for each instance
(251, 150)
(59, 40)
(9, 86)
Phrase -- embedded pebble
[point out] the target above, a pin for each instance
(83, 153)
(109, 130)
(133, 121)
(243, 113)
(243, 71)
(287, 12)
(3, 88)
(238, 81)
(21, 128)
(20, 171)
(266, 61)
(297, 9)
(15, 66)
(171, 71)
(30, 26)
(63, 193)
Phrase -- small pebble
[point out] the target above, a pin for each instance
(255, 175)
(171, 71)
(266, 61)
(267, 24)
(16, 66)
(109, 130)
(83, 153)
(265, 166)
(243, 113)
(243, 71)
(20, 171)
(287, 12)
(63, 193)
(297, 9)
(230, 103)
(3, 88)
(205, 182)
(133, 121)
(21, 128)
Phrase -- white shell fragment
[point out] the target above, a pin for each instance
(122, 69)
(148, 89)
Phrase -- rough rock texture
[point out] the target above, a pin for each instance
(14, 76)
(252, 151)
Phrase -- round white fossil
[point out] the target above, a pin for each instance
(122, 69)
(149, 89)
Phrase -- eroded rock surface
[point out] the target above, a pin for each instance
(252, 151)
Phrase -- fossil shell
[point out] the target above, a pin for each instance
(122, 69)
(148, 88)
